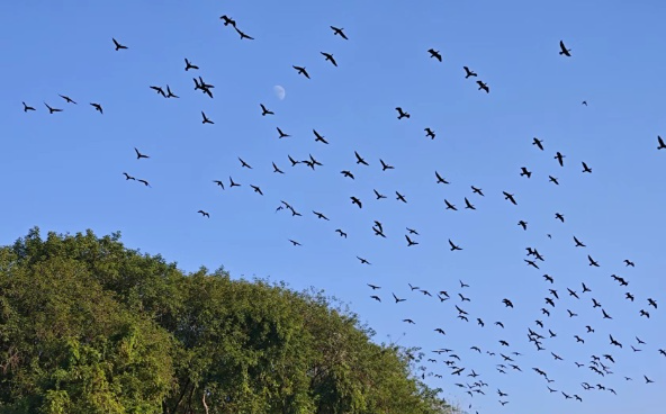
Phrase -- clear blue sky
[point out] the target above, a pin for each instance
(63, 172)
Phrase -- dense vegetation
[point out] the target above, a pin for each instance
(88, 326)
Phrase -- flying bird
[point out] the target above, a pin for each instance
(189, 65)
(204, 213)
(401, 113)
(483, 85)
(563, 50)
(97, 107)
(329, 57)
(339, 32)
(140, 155)
(242, 34)
(301, 71)
(118, 45)
(661, 146)
(468, 72)
(435, 54)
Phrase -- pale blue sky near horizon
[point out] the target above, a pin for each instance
(63, 172)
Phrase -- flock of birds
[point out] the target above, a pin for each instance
(600, 363)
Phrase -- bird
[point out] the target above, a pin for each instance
(276, 169)
(397, 300)
(592, 262)
(265, 111)
(228, 20)
(429, 133)
(205, 119)
(401, 113)
(281, 134)
(118, 45)
(244, 164)
(469, 205)
(483, 85)
(578, 242)
(339, 32)
(356, 201)
(329, 57)
(628, 262)
(27, 108)
(453, 246)
(219, 183)
(477, 191)
(294, 242)
(144, 182)
(400, 197)
(159, 90)
(189, 65)
(523, 171)
(319, 137)
(378, 195)
(204, 213)
(560, 158)
(301, 71)
(364, 261)
(586, 169)
(410, 242)
(553, 180)
(523, 224)
(140, 155)
(468, 72)
(509, 197)
(435, 54)
(386, 166)
(563, 50)
(440, 180)
(97, 107)
(661, 146)
(359, 159)
(128, 177)
(242, 34)
(234, 184)
(52, 110)
(170, 94)
(538, 142)
(256, 189)
(341, 233)
(68, 99)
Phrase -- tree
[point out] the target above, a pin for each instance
(89, 326)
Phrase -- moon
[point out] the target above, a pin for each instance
(279, 92)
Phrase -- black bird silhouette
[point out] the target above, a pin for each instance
(523, 224)
(170, 94)
(339, 32)
(400, 197)
(507, 303)
(68, 99)
(586, 169)
(281, 134)
(592, 262)
(364, 261)
(560, 158)
(410, 242)
(430, 133)
(118, 45)
(228, 20)
(329, 57)
(347, 174)
(523, 171)
(376, 298)
(412, 231)
(386, 166)
(401, 113)
(276, 169)
(559, 217)
(450, 206)
(242, 34)
(440, 180)
(144, 182)
(359, 159)
(294, 242)
(356, 201)
(203, 213)
(628, 262)
(563, 50)
(578, 242)
(553, 180)
(468, 72)
(140, 155)
(509, 197)
(189, 65)
(52, 110)
(27, 108)
(301, 70)
(234, 184)
(647, 380)
(265, 111)
(219, 183)
(469, 205)
(244, 164)
(128, 177)
(435, 54)
(319, 137)
(652, 302)
(342, 233)
(477, 191)
(453, 246)
(205, 119)
(483, 85)
(661, 146)
(397, 300)
(97, 107)
(256, 189)
(378, 195)
(159, 90)
(538, 142)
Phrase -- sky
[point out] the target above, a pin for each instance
(64, 172)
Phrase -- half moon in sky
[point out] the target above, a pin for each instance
(279, 92)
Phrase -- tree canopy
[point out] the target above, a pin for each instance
(88, 326)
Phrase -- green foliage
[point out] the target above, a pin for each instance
(88, 326)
